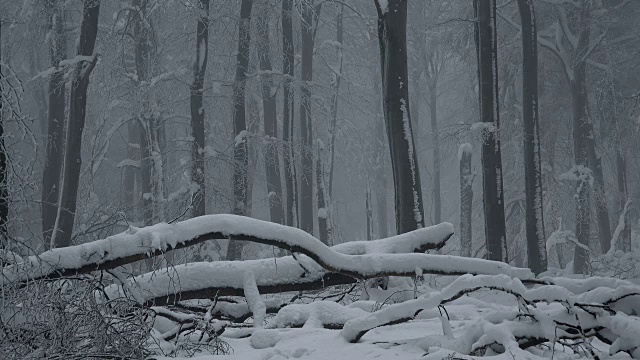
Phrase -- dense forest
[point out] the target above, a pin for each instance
(200, 177)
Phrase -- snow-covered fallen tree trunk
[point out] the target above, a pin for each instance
(226, 278)
(141, 243)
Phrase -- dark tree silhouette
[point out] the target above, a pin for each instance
(536, 246)
(392, 36)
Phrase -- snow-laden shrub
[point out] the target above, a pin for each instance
(63, 319)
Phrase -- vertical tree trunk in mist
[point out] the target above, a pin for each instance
(53, 163)
(581, 133)
(435, 137)
(392, 36)
(272, 153)
(4, 190)
(369, 212)
(621, 165)
(466, 199)
(146, 167)
(381, 166)
(602, 209)
(493, 196)
(131, 182)
(234, 252)
(306, 127)
(290, 177)
(77, 115)
(334, 100)
(198, 169)
(536, 245)
(324, 226)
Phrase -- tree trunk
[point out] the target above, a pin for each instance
(435, 137)
(536, 245)
(272, 153)
(600, 197)
(234, 251)
(621, 165)
(131, 181)
(466, 199)
(198, 169)
(392, 36)
(77, 114)
(493, 196)
(381, 167)
(306, 127)
(334, 107)
(4, 190)
(324, 226)
(368, 212)
(581, 133)
(287, 114)
(53, 163)
(146, 166)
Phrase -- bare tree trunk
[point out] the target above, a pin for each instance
(306, 127)
(495, 232)
(602, 209)
(324, 226)
(77, 114)
(54, 156)
(4, 190)
(581, 133)
(334, 110)
(435, 137)
(287, 117)
(131, 181)
(272, 153)
(234, 252)
(381, 167)
(198, 169)
(536, 245)
(146, 166)
(368, 212)
(621, 165)
(466, 199)
(392, 35)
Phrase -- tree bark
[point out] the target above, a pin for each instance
(77, 114)
(287, 114)
(306, 127)
(536, 245)
(392, 36)
(4, 190)
(368, 212)
(234, 251)
(198, 168)
(466, 199)
(334, 100)
(381, 166)
(493, 196)
(600, 197)
(581, 133)
(54, 156)
(131, 182)
(324, 226)
(435, 137)
(621, 166)
(272, 153)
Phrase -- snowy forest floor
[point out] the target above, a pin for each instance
(401, 341)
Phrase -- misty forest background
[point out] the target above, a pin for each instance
(130, 113)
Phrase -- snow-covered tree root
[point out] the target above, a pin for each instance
(141, 243)
(568, 313)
